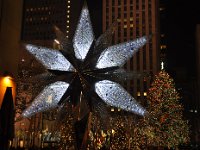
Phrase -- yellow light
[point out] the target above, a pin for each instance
(68, 11)
(56, 41)
(113, 131)
(68, 1)
(68, 6)
(112, 109)
(145, 93)
(67, 16)
(21, 143)
(138, 93)
(7, 81)
(67, 26)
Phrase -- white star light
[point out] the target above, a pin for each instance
(110, 57)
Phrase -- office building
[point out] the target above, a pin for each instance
(40, 17)
(136, 18)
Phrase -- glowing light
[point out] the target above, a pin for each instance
(7, 81)
(21, 143)
(56, 41)
(84, 36)
(50, 58)
(114, 95)
(162, 65)
(117, 55)
(47, 99)
(114, 56)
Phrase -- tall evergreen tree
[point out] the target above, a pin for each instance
(164, 126)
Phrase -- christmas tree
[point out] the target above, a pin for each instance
(164, 126)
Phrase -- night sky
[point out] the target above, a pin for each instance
(180, 25)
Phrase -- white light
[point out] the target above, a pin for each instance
(44, 102)
(84, 35)
(51, 59)
(114, 95)
(56, 41)
(118, 55)
(162, 65)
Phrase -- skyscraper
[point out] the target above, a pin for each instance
(40, 17)
(163, 40)
(136, 18)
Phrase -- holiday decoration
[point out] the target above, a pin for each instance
(164, 126)
(85, 74)
(84, 70)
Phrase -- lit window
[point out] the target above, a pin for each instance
(145, 93)
(67, 26)
(68, 6)
(162, 8)
(112, 109)
(68, 11)
(138, 93)
(118, 20)
(162, 35)
(68, 1)
(131, 25)
(67, 16)
(163, 47)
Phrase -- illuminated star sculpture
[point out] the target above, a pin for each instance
(86, 69)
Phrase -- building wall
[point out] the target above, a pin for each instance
(136, 18)
(10, 29)
(198, 58)
(40, 17)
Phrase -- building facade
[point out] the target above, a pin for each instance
(40, 17)
(136, 18)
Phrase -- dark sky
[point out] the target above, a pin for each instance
(180, 24)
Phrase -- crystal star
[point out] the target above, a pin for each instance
(86, 70)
